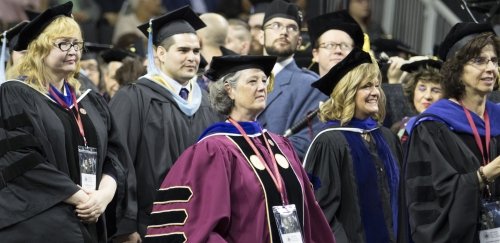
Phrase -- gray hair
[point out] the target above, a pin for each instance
(219, 98)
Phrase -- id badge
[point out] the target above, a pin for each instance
(88, 167)
(490, 222)
(288, 223)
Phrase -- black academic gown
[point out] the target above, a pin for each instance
(442, 188)
(329, 161)
(40, 168)
(156, 132)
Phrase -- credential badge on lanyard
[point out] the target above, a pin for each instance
(288, 223)
(88, 167)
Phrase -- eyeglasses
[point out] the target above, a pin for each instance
(332, 46)
(65, 45)
(483, 61)
(279, 27)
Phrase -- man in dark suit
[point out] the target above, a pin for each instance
(291, 96)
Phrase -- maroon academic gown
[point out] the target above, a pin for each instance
(213, 193)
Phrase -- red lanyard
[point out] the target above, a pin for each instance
(274, 172)
(479, 144)
(65, 106)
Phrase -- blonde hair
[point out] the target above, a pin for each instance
(342, 104)
(32, 65)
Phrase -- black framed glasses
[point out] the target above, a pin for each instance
(66, 45)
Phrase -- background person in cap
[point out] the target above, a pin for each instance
(391, 54)
(451, 173)
(164, 112)
(421, 87)
(90, 74)
(355, 160)
(42, 164)
(256, 22)
(291, 98)
(243, 187)
(132, 69)
(112, 61)
(333, 36)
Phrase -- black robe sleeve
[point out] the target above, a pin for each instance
(442, 188)
(116, 164)
(29, 184)
(328, 160)
(125, 108)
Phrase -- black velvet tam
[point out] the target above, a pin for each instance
(340, 20)
(459, 35)
(416, 65)
(36, 26)
(223, 65)
(327, 83)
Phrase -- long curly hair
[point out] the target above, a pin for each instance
(32, 65)
(342, 104)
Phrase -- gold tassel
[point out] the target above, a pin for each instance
(270, 83)
(366, 44)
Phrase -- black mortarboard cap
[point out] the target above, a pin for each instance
(391, 46)
(259, 6)
(31, 14)
(459, 35)
(91, 50)
(33, 29)
(179, 21)
(416, 65)
(327, 83)
(227, 52)
(280, 8)
(115, 55)
(223, 65)
(12, 34)
(340, 20)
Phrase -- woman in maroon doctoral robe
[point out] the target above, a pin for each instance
(224, 188)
